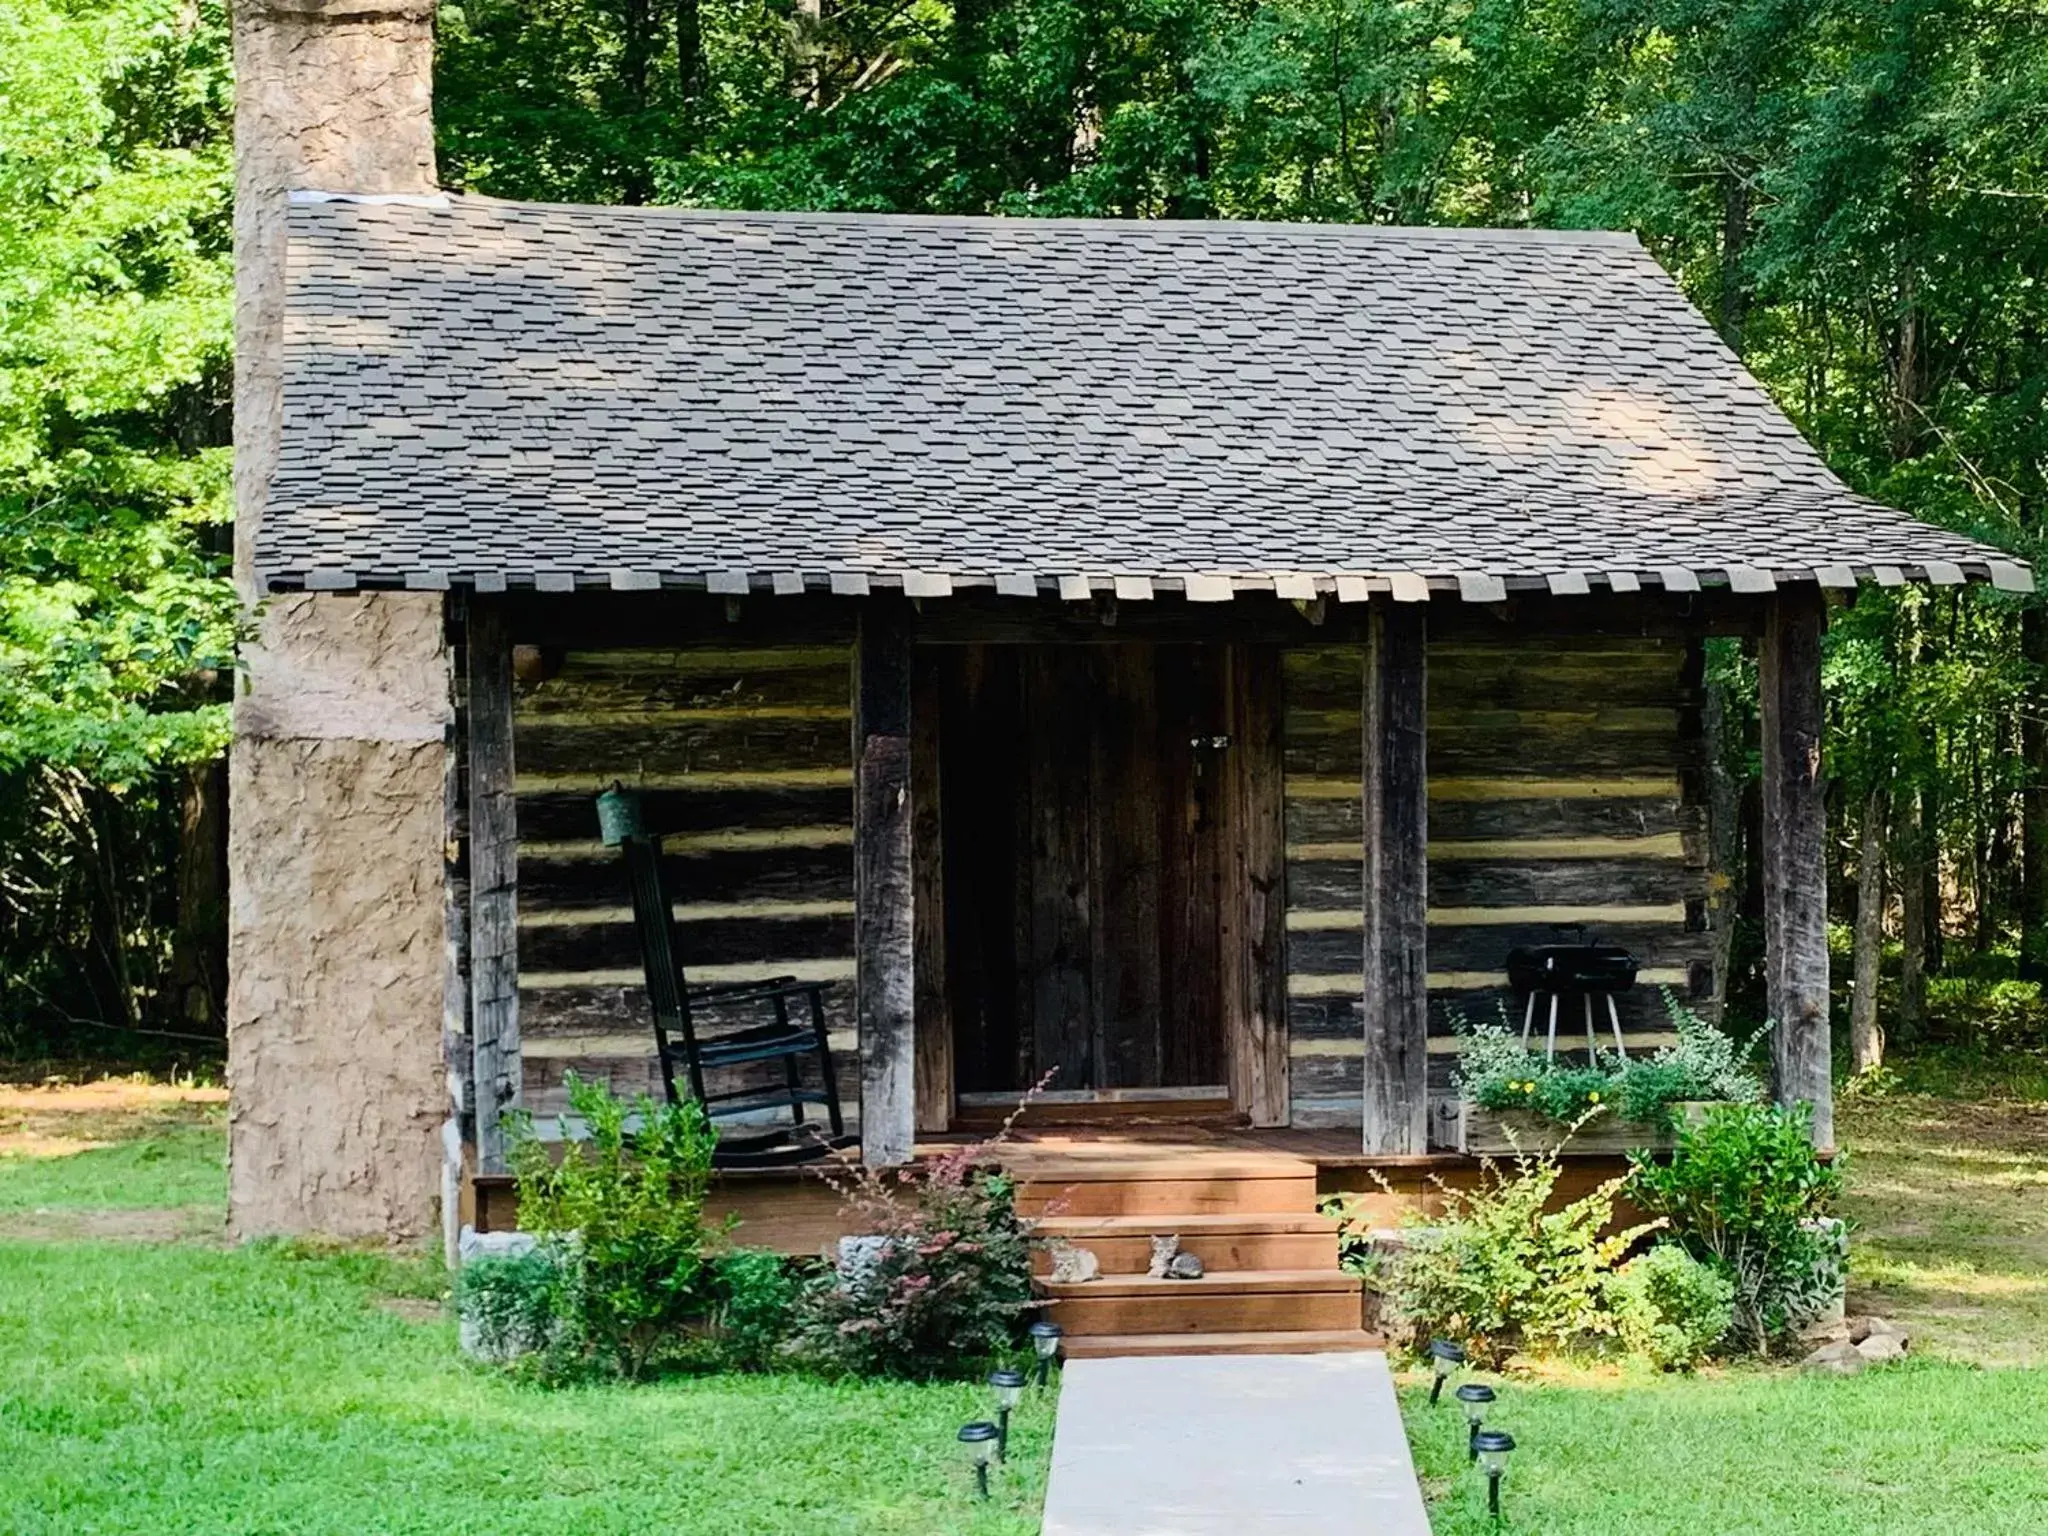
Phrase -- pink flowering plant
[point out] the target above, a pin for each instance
(941, 1281)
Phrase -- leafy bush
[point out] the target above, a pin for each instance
(941, 1286)
(1745, 1191)
(1499, 1271)
(508, 1304)
(753, 1308)
(1670, 1308)
(1496, 1073)
(621, 1216)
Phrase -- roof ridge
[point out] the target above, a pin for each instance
(1472, 233)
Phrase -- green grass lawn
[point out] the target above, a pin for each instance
(181, 1386)
(1950, 1203)
(154, 1380)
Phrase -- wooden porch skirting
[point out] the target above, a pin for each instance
(798, 1211)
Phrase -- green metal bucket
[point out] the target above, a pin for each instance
(618, 815)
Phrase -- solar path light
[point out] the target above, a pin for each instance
(1045, 1338)
(1476, 1396)
(1444, 1358)
(980, 1440)
(1493, 1446)
(1009, 1390)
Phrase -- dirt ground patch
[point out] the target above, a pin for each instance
(56, 1118)
(1950, 1204)
(147, 1224)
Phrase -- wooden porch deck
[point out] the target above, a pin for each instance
(1246, 1202)
(796, 1210)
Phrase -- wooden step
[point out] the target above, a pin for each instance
(1176, 1189)
(1166, 1197)
(1258, 1240)
(1102, 1346)
(1245, 1301)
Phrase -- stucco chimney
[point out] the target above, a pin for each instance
(337, 802)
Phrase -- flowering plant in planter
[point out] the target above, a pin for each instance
(1497, 1074)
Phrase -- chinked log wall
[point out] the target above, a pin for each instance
(1565, 787)
(745, 759)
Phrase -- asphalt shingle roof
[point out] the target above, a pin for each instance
(483, 393)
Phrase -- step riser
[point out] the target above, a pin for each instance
(1111, 1346)
(1196, 1312)
(1167, 1197)
(1268, 1250)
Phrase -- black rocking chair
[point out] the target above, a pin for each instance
(792, 1036)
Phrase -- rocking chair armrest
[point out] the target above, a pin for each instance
(755, 991)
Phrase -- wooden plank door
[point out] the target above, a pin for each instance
(1095, 805)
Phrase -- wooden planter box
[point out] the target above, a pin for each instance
(1465, 1127)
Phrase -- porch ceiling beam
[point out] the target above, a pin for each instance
(884, 884)
(1795, 871)
(1396, 906)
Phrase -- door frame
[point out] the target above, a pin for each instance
(1252, 906)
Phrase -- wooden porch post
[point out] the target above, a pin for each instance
(883, 887)
(493, 884)
(934, 1014)
(1396, 787)
(1795, 873)
(1255, 955)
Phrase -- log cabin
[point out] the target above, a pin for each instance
(1169, 665)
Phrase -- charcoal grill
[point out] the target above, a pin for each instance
(1560, 971)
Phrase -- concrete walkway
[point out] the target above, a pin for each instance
(1232, 1445)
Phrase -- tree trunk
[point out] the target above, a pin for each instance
(636, 54)
(199, 953)
(2034, 795)
(1913, 925)
(1734, 295)
(1724, 838)
(1930, 872)
(1866, 1039)
(693, 77)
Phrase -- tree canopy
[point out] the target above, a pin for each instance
(116, 624)
(1855, 192)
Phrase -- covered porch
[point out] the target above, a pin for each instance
(1178, 869)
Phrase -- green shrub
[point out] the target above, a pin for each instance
(1499, 1271)
(507, 1303)
(1669, 1308)
(753, 1308)
(1745, 1191)
(942, 1286)
(621, 1216)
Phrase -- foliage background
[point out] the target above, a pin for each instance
(115, 622)
(1854, 191)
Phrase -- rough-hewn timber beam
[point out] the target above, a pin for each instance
(934, 1016)
(883, 887)
(1396, 799)
(1255, 957)
(1795, 872)
(493, 885)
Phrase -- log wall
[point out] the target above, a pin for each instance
(1565, 787)
(744, 757)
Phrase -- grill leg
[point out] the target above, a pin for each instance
(1550, 1047)
(1614, 1018)
(1592, 1041)
(1528, 1019)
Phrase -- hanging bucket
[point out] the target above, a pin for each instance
(618, 815)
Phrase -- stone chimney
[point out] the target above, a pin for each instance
(337, 817)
